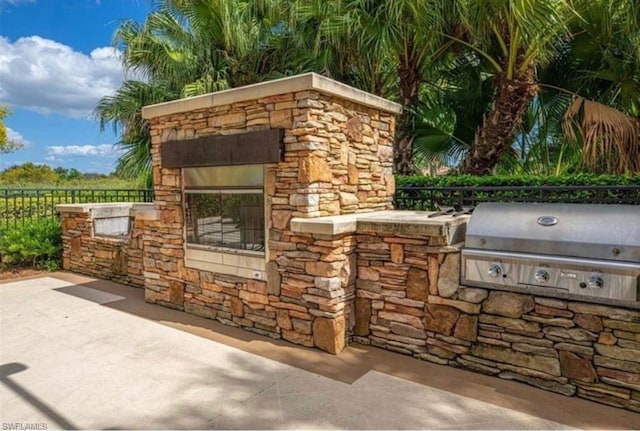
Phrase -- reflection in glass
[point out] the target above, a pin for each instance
(226, 218)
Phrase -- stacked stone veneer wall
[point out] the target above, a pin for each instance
(394, 285)
(319, 272)
(110, 258)
(409, 300)
(337, 160)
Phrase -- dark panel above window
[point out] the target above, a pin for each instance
(264, 146)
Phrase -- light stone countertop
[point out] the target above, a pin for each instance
(386, 222)
(106, 209)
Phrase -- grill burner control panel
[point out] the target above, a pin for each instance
(587, 252)
(552, 276)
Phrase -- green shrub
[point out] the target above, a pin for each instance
(37, 242)
(515, 180)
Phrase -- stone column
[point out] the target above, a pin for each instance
(337, 160)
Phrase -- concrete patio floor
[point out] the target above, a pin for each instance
(76, 352)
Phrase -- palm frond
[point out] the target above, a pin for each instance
(134, 162)
(611, 138)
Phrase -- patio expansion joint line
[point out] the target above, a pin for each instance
(246, 400)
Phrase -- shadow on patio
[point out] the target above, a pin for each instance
(359, 368)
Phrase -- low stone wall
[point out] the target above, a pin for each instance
(231, 300)
(389, 279)
(300, 306)
(409, 300)
(111, 257)
(305, 300)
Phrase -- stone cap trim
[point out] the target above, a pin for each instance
(331, 225)
(102, 207)
(292, 84)
(386, 222)
(111, 212)
(141, 210)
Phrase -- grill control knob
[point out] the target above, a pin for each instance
(595, 281)
(494, 271)
(541, 276)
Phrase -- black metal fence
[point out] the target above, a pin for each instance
(19, 205)
(430, 198)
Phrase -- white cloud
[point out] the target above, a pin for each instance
(16, 137)
(104, 150)
(48, 77)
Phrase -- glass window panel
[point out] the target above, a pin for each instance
(223, 218)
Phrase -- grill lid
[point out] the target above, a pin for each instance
(609, 232)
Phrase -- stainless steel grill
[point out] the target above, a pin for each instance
(580, 251)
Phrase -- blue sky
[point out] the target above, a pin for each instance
(56, 61)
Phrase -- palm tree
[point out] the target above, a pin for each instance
(514, 38)
(123, 112)
(601, 64)
(468, 72)
(453, 101)
(593, 83)
(186, 48)
(409, 32)
(383, 47)
(319, 41)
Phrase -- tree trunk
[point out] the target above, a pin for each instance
(495, 136)
(409, 74)
(403, 153)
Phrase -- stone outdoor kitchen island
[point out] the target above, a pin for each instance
(331, 155)
(273, 213)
